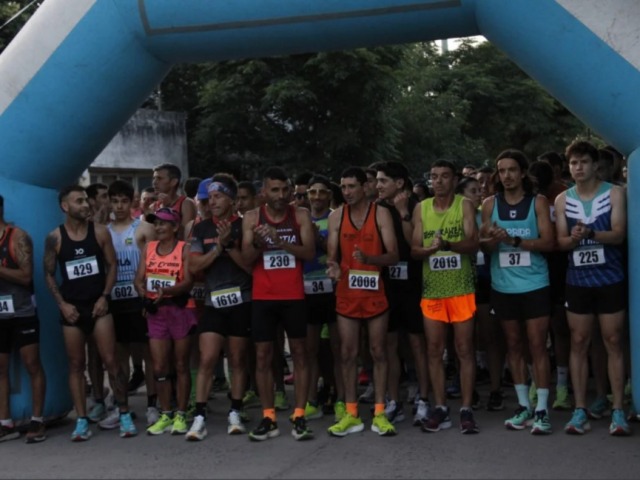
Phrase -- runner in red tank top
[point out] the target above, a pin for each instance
(166, 181)
(362, 239)
(276, 239)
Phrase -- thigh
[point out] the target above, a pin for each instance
(27, 333)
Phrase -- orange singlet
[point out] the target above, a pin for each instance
(360, 292)
(163, 270)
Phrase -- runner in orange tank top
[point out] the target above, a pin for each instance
(361, 242)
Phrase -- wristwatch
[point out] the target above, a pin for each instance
(446, 246)
(517, 241)
(592, 234)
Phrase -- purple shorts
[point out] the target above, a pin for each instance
(170, 323)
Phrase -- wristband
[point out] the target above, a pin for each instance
(517, 241)
(592, 234)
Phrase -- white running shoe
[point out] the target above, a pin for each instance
(236, 426)
(198, 430)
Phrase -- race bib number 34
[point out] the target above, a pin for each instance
(515, 259)
(229, 297)
(585, 257)
(278, 259)
(83, 267)
(6, 304)
(315, 286)
(364, 280)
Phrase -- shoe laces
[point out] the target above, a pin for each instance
(198, 422)
(234, 417)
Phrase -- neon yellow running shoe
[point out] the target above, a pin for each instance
(382, 426)
(180, 426)
(339, 410)
(347, 425)
(164, 424)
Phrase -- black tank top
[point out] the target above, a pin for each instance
(82, 266)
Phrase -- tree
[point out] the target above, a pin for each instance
(8, 9)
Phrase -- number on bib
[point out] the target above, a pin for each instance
(228, 297)
(123, 291)
(84, 267)
(315, 286)
(480, 259)
(363, 280)
(585, 257)
(399, 271)
(278, 259)
(515, 259)
(6, 304)
(198, 292)
(154, 282)
(441, 263)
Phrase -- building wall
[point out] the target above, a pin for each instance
(149, 138)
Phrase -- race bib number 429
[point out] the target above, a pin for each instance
(83, 267)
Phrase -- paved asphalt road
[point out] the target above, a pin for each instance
(493, 453)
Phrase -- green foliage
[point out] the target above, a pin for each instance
(8, 8)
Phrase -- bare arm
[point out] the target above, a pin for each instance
(110, 258)
(388, 233)
(139, 282)
(23, 254)
(418, 250)
(188, 212)
(307, 249)
(333, 244)
(618, 231)
(51, 246)
(251, 244)
(469, 245)
(546, 241)
(563, 237)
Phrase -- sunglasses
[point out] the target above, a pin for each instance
(300, 196)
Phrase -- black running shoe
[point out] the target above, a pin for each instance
(267, 429)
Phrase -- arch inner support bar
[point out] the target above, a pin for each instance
(246, 28)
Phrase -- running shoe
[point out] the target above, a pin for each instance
(280, 401)
(267, 429)
(198, 430)
(8, 433)
(97, 413)
(541, 424)
(251, 399)
(522, 418)
(599, 408)
(437, 420)
(467, 422)
(300, 430)
(234, 423)
(136, 381)
(127, 427)
(179, 426)
(312, 412)
(562, 401)
(153, 415)
(579, 423)
(619, 426)
(111, 422)
(36, 432)
(496, 402)
(382, 426)
(339, 410)
(422, 412)
(348, 424)
(164, 424)
(82, 432)
(394, 411)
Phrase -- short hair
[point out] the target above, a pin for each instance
(248, 186)
(463, 183)
(228, 181)
(149, 190)
(191, 185)
(303, 178)
(92, 190)
(317, 178)
(395, 170)
(275, 173)
(486, 169)
(470, 165)
(336, 194)
(65, 191)
(444, 164)
(522, 161)
(172, 170)
(582, 147)
(121, 187)
(357, 172)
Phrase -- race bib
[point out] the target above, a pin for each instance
(364, 280)
(480, 259)
(83, 267)
(585, 257)
(315, 286)
(517, 258)
(278, 259)
(154, 282)
(123, 291)
(399, 271)
(442, 263)
(198, 292)
(6, 304)
(229, 297)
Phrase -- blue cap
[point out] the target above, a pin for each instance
(203, 189)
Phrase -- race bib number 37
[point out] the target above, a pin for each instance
(515, 259)
(364, 280)
(83, 267)
(278, 259)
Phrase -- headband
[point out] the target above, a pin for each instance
(221, 187)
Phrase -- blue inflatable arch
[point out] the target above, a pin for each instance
(79, 69)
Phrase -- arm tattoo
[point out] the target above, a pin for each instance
(24, 252)
(50, 254)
